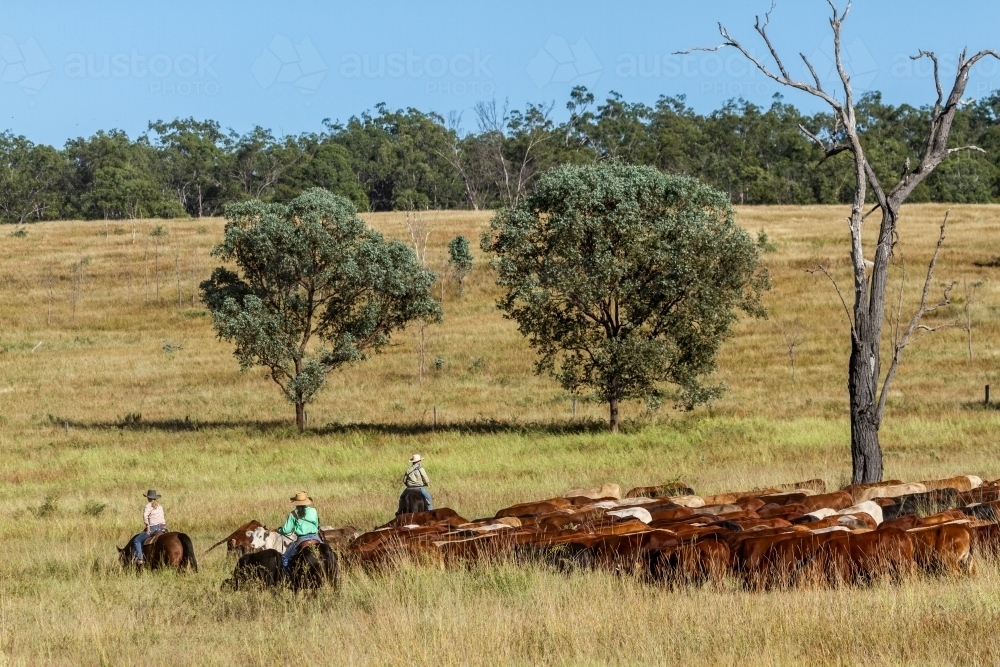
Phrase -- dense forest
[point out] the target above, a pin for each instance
(407, 159)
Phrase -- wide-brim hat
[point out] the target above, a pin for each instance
(300, 499)
(416, 458)
(152, 495)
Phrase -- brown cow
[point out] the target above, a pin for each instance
(697, 562)
(857, 490)
(238, 542)
(755, 524)
(947, 546)
(785, 498)
(837, 500)
(986, 539)
(959, 483)
(817, 485)
(339, 539)
(782, 511)
(661, 491)
(908, 521)
(881, 552)
(443, 515)
(528, 509)
(785, 561)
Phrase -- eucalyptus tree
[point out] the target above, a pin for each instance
(315, 289)
(459, 259)
(868, 385)
(623, 278)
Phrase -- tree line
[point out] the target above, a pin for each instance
(387, 159)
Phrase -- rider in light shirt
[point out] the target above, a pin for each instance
(154, 521)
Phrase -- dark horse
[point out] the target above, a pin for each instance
(412, 501)
(312, 567)
(166, 550)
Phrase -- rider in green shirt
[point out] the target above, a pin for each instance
(303, 521)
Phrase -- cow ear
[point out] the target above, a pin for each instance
(249, 533)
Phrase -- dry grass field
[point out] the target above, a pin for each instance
(111, 382)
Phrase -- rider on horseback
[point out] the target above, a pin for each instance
(416, 478)
(304, 522)
(154, 521)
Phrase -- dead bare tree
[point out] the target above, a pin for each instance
(971, 297)
(456, 155)
(513, 161)
(867, 316)
(194, 274)
(792, 339)
(177, 274)
(128, 278)
(420, 229)
(77, 280)
(50, 295)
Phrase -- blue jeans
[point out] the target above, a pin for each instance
(286, 558)
(138, 539)
(427, 497)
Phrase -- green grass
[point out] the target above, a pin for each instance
(100, 411)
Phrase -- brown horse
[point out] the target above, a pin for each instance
(164, 550)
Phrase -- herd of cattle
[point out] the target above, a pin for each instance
(780, 536)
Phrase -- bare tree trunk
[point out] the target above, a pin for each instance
(145, 269)
(421, 353)
(866, 452)
(177, 275)
(50, 292)
(194, 275)
(128, 280)
(156, 268)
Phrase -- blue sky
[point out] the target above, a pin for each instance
(70, 69)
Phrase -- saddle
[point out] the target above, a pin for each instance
(307, 544)
(153, 538)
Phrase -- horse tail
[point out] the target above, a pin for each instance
(189, 557)
(332, 565)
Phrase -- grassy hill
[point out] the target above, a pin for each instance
(111, 382)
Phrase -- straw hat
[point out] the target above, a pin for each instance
(152, 495)
(415, 458)
(300, 499)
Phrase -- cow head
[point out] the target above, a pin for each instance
(257, 537)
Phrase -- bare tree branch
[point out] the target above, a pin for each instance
(937, 76)
(828, 151)
(966, 148)
(915, 325)
(819, 86)
(847, 311)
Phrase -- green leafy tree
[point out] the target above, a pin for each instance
(459, 259)
(194, 162)
(315, 289)
(623, 278)
(31, 179)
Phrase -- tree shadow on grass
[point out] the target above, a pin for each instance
(287, 428)
(979, 406)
